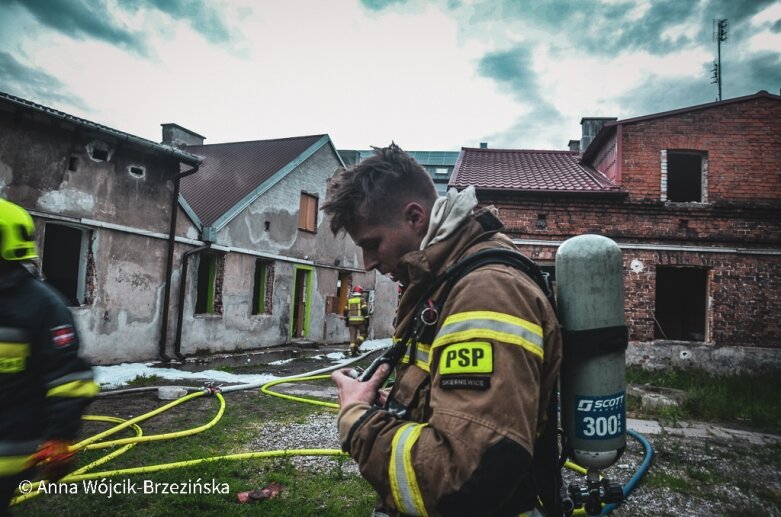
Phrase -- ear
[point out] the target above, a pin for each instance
(416, 215)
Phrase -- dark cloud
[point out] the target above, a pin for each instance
(94, 19)
(77, 19)
(776, 26)
(200, 14)
(34, 84)
(379, 5)
(512, 69)
(609, 29)
(761, 71)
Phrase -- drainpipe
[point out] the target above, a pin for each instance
(182, 285)
(170, 262)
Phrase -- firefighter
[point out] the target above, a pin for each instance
(44, 385)
(356, 316)
(456, 435)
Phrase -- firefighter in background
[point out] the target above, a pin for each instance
(356, 315)
(44, 384)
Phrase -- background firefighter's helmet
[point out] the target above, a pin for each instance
(17, 233)
(358, 289)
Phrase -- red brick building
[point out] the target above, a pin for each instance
(692, 197)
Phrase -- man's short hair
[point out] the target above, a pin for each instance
(377, 188)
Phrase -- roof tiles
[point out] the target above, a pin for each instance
(526, 170)
(232, 171)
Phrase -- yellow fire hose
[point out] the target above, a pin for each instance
(94, 442)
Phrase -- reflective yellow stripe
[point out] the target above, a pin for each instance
(14, 464)
(422, 356)
(74, 389)
(490, 325)
(14, 349)
(404, 484)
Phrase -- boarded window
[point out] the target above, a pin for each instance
(209, 284)
(685, 176)
(307, 213)
(336, 304)
(681, 303)
(262, 287)
(65, 261)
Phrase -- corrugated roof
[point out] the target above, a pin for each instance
(526, 170)
(233, 174)
(87, 124)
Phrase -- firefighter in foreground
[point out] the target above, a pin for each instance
(356, 317)
(44, 385)
(456, 434)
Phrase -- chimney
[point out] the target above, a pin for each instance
(590, 127)
(179, 137)
(483, 145)
(574, 145)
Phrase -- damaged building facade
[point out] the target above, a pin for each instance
(117, 237)
(102, 201)
(269, 270)
(692, 197)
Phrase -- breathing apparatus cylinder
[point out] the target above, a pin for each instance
(590, 299)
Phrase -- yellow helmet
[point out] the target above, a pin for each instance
(17, 233)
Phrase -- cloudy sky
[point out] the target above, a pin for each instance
(431, 75)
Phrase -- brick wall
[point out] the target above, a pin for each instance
(741, 139)
(735, 236)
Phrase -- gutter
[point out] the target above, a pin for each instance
(182, 286)
(169, 264)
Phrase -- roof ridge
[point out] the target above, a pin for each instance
(496, 149)
(321, 135)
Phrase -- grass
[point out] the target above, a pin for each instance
(751, 401)
(331, 491)
(746, 400)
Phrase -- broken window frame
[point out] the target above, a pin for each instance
(207, 297)
(262, 289)
(683, 313)
(77, 294)
(307, 212)
(671, 182)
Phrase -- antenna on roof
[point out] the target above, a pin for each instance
(720, 33)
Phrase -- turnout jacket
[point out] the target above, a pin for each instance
(44, 384)
(356, 310)
(475, 396)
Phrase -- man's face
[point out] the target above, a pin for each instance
(384, 244)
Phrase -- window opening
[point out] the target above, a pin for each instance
(73, 163)
(208, 295)
(307, 213)
(137, 171)
(262, 290)
(99, 154)
(64, 262)
(684, 176)
(681, 303)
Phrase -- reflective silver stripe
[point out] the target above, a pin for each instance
(76, 376)
(14, 448)
(422, 356)
(404, 486)
(488, 328)
(13, 335)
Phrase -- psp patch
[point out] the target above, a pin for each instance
(63, 336)
(470, 357)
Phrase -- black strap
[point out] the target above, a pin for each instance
(585, 344)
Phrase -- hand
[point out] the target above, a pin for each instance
(352, 390)
(54, 459)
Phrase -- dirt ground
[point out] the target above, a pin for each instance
(688, 476)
